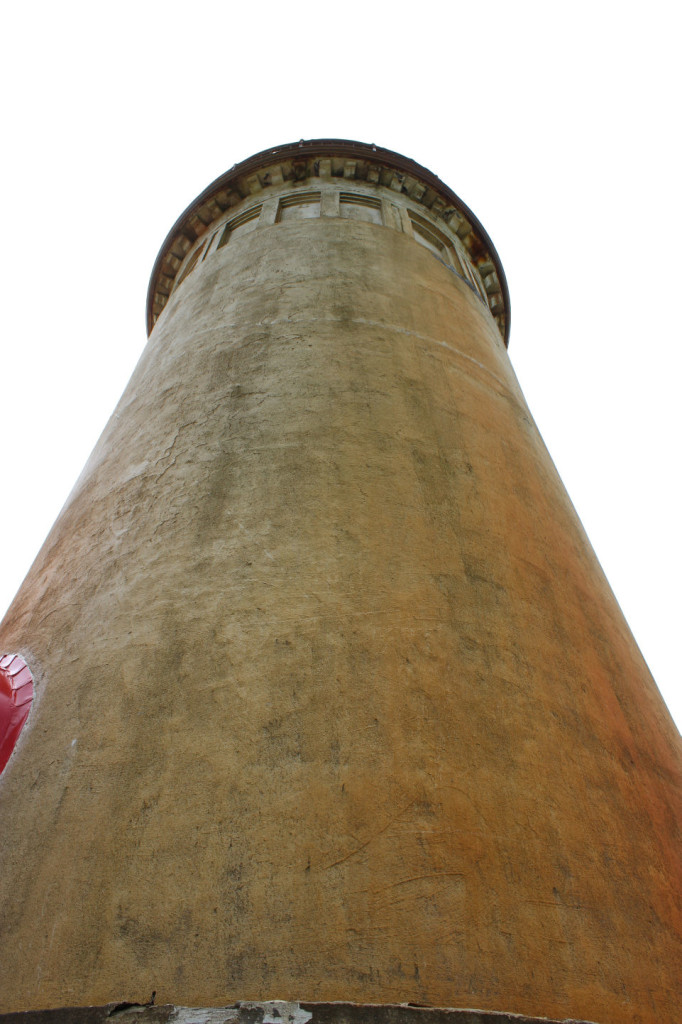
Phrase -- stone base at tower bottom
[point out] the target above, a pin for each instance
(272, 1012)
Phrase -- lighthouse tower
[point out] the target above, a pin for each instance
(331, 701)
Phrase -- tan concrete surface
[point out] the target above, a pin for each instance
(333, 701)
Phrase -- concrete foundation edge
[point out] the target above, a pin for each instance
(272, 1012)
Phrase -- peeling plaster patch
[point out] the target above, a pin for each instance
(136, 470)
(187, 1015)
(277, 1011)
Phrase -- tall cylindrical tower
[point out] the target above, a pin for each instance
(332, 699)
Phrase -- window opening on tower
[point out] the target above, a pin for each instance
(241, 225)
(299, 206)
(355, 206)
(191, 264)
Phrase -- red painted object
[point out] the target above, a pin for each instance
(16, 694)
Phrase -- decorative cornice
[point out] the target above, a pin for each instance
(334, 159)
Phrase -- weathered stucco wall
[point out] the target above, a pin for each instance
(333, 701)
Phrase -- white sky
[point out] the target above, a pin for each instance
(557, 124)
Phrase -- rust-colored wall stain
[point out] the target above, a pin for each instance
(335, 701)
(16, 694)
